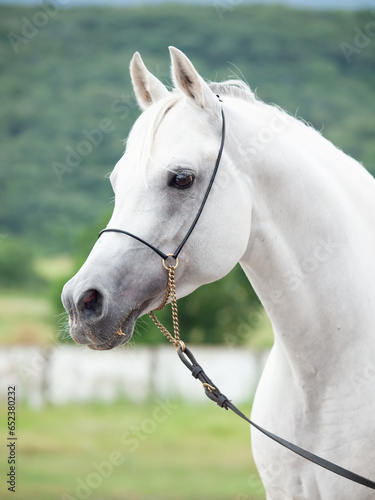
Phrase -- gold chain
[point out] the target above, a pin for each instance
(170, 293)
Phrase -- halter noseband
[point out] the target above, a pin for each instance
(163, 255)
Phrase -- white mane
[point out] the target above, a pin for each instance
(233, 88)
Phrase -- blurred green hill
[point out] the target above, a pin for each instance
(67, 98)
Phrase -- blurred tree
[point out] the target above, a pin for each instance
(16, 263)
(73, 74)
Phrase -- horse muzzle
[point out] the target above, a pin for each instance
(95, 320)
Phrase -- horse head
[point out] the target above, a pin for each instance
(159, 184)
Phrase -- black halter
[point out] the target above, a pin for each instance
(163, 255)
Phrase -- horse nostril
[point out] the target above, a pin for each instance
(92, 303)
(90, 300)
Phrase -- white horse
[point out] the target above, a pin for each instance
(299, 216)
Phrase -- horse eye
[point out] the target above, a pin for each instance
(183, 180)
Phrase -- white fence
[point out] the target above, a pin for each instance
(60, 374)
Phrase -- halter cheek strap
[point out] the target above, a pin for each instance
(163, 255)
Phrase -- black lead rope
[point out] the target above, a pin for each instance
(212, 392)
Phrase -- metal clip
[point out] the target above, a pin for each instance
(209, 387)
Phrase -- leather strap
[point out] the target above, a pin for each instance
(221, 400)
(155, 249)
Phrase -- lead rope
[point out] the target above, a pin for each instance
(213, 393)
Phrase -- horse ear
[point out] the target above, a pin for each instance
(187, 80)
(148, 89)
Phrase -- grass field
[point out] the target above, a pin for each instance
(154, 451)
(27, 316)
(159, 451)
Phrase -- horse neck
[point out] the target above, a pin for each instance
(310, 254)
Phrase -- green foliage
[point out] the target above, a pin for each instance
(16, 263)
(61, 80)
